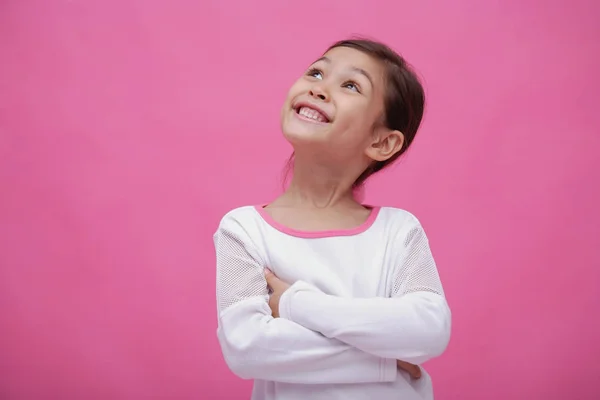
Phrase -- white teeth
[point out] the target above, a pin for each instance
(312, 114)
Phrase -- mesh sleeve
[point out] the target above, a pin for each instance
(417, 270)
(239, 275)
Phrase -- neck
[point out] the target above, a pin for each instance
(318, 185)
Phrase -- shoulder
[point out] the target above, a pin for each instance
(399, 217)
(239, 232)
(401, 223)
(239, 220)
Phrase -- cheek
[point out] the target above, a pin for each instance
(353, 132)
(292, 93)
(285, 107)
(354, 120)
(295, 89)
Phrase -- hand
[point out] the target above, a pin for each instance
(277, 288)
(413, 370)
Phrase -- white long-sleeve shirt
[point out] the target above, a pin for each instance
(359, 300)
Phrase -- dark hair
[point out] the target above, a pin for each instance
(404, 100)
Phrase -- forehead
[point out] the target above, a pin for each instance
(346, 57)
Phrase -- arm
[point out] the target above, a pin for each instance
(413, 325)
(257, 346)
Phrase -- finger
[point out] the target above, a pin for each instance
(413, 370)
(272, 280)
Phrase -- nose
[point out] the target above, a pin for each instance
(318, 92)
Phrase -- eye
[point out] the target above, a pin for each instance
(352, 86)
(315, 73)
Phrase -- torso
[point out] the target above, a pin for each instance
(354, 262)
(343, 262)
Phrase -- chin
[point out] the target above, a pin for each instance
(298, 138)
(301, 137)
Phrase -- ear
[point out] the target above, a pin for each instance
(385, 144)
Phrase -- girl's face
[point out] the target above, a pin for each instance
(334, 109)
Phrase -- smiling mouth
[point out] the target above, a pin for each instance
(311, 114)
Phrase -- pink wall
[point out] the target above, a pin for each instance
(127, 128)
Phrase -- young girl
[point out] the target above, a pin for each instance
(319, 296)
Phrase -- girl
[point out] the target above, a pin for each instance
(319, 296)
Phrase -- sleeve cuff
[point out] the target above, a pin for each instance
(389, 370)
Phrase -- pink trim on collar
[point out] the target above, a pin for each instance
(319, 234)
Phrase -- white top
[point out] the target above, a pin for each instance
(360, 300)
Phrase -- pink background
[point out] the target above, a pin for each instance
(129, 127)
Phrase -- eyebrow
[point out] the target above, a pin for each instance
(354, 69)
